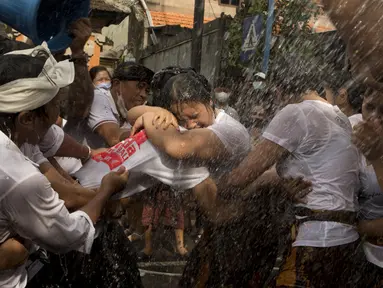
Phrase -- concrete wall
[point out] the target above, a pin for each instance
(212, 8)
(176, 51)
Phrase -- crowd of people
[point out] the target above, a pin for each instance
(92, 161)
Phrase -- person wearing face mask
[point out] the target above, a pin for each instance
(128, 88)
(101, 77)
(222, 96)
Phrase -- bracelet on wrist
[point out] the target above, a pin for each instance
(86, 158)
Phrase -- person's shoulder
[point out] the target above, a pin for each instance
(223, 118)
(14, 166)
(227, 125)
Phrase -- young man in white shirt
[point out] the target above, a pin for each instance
(311, 139)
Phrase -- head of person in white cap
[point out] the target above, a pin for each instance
(29, 82)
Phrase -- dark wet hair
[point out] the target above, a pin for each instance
(183, 88)
(164, 75)
(160, 86)
(131, 71)
(14, 67)
(97, 69)
(355, 94)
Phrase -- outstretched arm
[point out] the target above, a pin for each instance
(263, 156)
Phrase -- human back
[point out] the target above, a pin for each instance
(325, 156)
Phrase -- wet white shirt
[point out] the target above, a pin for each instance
(370, 200)
(30, 208)
(318, 137)
(149, 166)
(234, 137)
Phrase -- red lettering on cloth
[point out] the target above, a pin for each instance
(119, 153)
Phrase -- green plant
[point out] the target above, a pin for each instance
(292, 18)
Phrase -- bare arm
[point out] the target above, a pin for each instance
(12, 254)
(74, 195)
(81, 91)
(112, 133)
(198, 144)
(372, 228)
(264, 155)
(71, 148)
(138, 111)
(111, 183)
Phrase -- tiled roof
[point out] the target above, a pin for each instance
(322, 24)
(168, 18)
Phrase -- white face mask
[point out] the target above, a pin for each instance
(222, 97)
(104, 85)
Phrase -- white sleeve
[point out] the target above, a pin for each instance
(232, 134)
(101, 111)
(33, 153)
(52, 141)
(35, 212)
(288, 128)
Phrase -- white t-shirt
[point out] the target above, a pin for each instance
(370, 201)
(234, 137)
(48, 147)
(148, 166)
(318, 137)
(30, 208)
(52, 141)
(103, 111)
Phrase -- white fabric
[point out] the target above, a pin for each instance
(70, 165)
(52, 141)
(222, 97)
(355, 119)
(147, 166)
(31, 93)
(30, 208)
(374, 253)
(234, 137)
(370, 200)
(318, 137)
(103, 111)
(232, 112)
(33, 153)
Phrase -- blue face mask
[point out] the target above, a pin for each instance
(104, 85)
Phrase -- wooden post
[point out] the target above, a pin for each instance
(197, 34)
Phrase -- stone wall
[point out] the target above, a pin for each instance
(176, 51)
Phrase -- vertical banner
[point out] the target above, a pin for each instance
(252, 29)
(268, 36)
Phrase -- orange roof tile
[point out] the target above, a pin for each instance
(168, 18)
